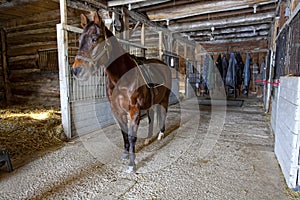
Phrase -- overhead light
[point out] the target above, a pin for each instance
(254, 8)
(168, 22)
(287, 12)
(129, 6)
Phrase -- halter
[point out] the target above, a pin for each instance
(94, 60)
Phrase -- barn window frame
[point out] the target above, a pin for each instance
(48, 60)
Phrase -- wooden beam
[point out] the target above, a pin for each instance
(63, 11)
(143, 38)
(98, 3)
(154, 27)
(236, 40)
(83, 6)
(160, 44)
(122, 2)
(39, 20)
(64, 84)
(10, 4)
(8, 93)
(231, 30)
(232, 36)
(148, 3)
(200, 8)
(222, 23)
(226, 14)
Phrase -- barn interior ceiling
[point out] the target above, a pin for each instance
(213, 24)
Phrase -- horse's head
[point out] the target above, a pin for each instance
(93, 50)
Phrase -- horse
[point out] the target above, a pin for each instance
(133, 85)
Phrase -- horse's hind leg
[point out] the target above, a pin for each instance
(125, 154)
(162, 114)
(150, 114)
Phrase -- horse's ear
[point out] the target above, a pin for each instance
(84, 20)
(97, 18)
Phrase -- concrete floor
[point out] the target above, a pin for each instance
(210, 152)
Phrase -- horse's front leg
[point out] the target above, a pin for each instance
(122, 120)
(132, 141)
(132, 138)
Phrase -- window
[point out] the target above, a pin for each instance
(48, 60)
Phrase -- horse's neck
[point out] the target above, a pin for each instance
(120, 61)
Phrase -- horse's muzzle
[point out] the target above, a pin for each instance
(77, 71)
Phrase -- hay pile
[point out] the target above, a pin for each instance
(25, 131)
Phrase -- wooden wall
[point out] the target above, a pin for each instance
(30, 82)
(2, 88)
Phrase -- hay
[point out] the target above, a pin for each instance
(25, 131)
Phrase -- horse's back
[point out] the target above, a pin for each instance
(155, 71)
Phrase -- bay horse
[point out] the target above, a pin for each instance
(132, 85)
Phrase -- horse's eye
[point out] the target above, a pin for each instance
(95, 39)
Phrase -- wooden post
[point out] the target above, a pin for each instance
(113, 23)
(185, 51)
(272, 63)
(293, 5)
(8, 94)
(160, 45)
(126, 29)
(143, 39)
(64, 83)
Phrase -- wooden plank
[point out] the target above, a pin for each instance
(32, 40)
(13, 35)
(223, 23)
(36, 21)
(8, 93)
(29, 50)
(31, 90)
(64, 77)
(143, 37)
(198, 8)
(35, 77)
(226, 14)
(294, 5)
(28, 64)
(81, 6)
(23, 58)
(33, 44)
(122, 2)
(36, 100)
(160, 44)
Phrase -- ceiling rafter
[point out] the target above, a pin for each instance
(237, 30)
(200, 8)
(122, 2)
(222, 23)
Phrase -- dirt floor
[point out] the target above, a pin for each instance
(209, 152)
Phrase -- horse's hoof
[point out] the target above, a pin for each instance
(147, 141)
(160, 136)
(130, 169)
(125, 156)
